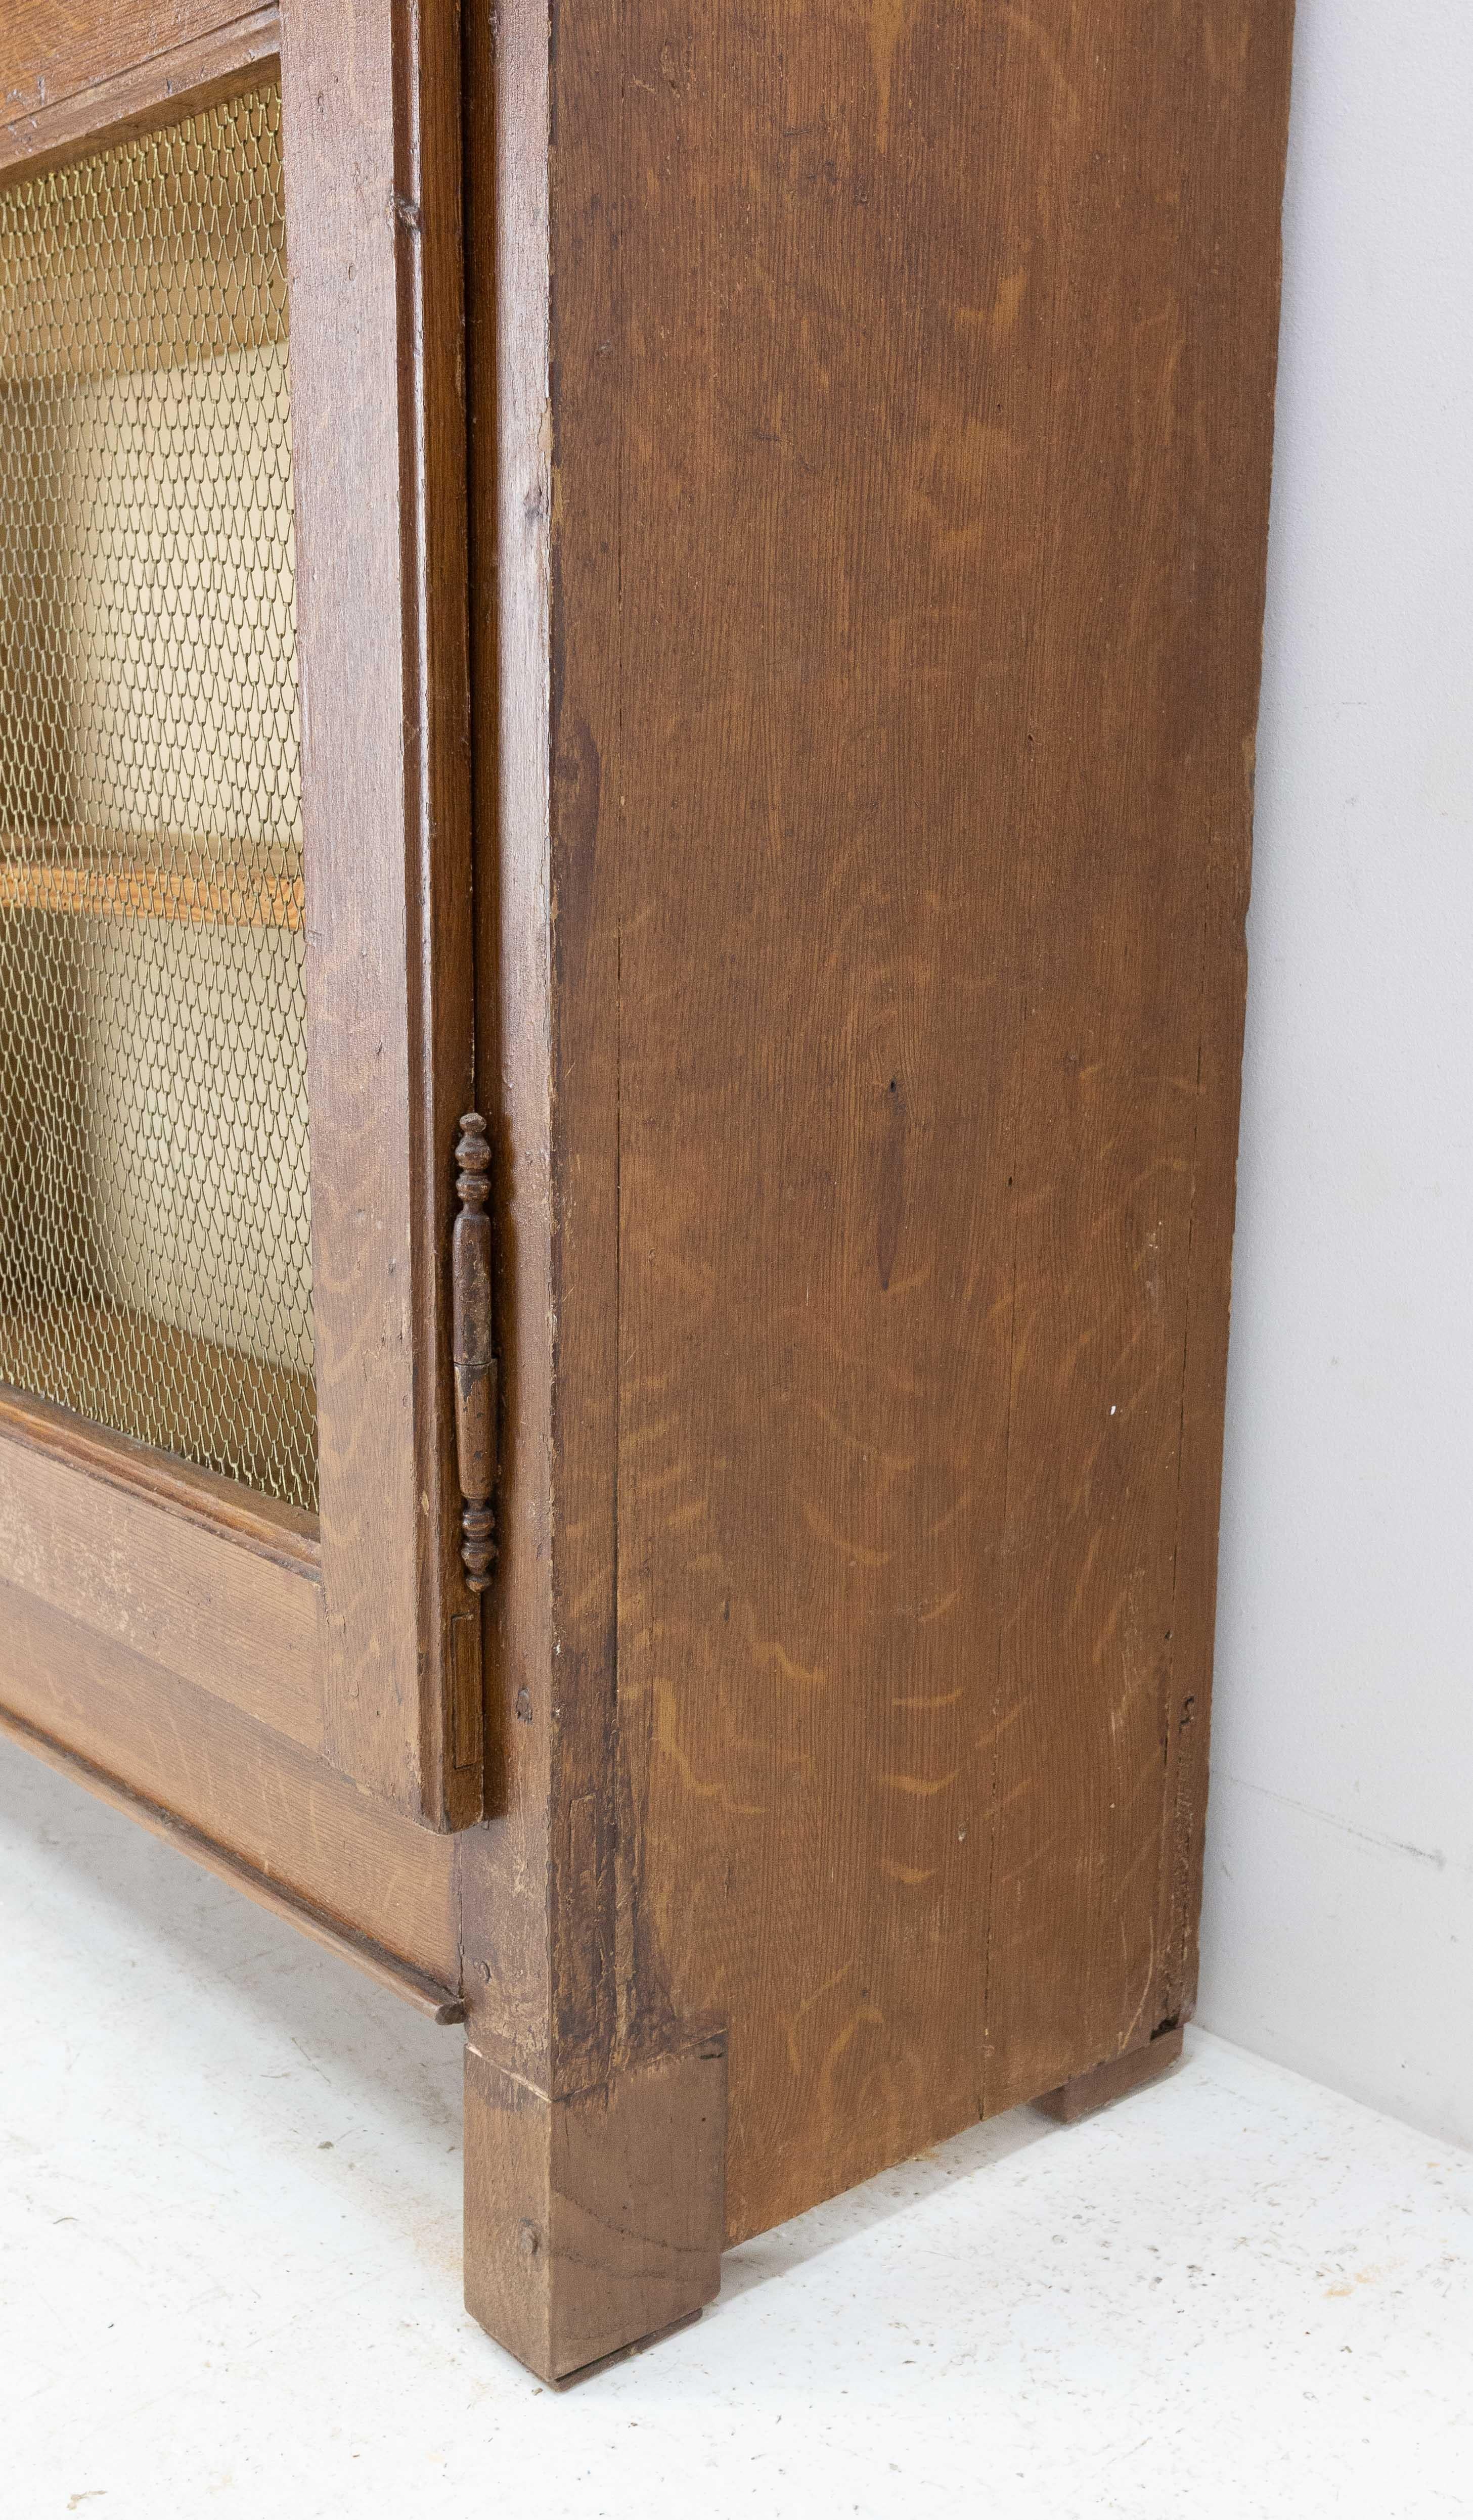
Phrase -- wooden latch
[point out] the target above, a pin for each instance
(474, 1356)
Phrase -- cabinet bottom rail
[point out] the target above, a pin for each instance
(413, 1986)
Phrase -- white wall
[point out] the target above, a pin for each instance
(1338, 1934)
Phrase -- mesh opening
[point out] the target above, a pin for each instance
(154, 1270)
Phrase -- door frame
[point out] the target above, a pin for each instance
(353, 1635)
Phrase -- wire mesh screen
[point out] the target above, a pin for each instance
(154, 1270)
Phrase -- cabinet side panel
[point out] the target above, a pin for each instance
(940, 352)
(1158, 410)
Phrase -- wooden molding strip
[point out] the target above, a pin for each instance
(437, 2002)
(224, 1506)
(137, 98)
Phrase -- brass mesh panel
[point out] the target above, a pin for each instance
(153, 1204)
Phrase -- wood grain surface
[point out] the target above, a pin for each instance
(908, 382)
(595, 2220)
(76, 77)
(206, 1603)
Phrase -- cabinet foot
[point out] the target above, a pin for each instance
(593, 2222)
(1080, 2097)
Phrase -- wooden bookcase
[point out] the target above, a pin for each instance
(777, 510)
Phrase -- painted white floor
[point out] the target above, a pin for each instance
(229, 2278)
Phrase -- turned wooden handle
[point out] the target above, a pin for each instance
(473, 1353)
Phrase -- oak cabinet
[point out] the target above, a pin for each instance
(628, 656)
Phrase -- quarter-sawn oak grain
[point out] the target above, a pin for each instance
(905, 384)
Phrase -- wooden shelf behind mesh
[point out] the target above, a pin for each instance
(143, 877)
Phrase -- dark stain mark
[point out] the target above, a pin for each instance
(892, 1194)
(576, 808)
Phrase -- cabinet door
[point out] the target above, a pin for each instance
(236, 987)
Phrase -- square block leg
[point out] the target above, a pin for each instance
(1080, 2097)
(596, 2220)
